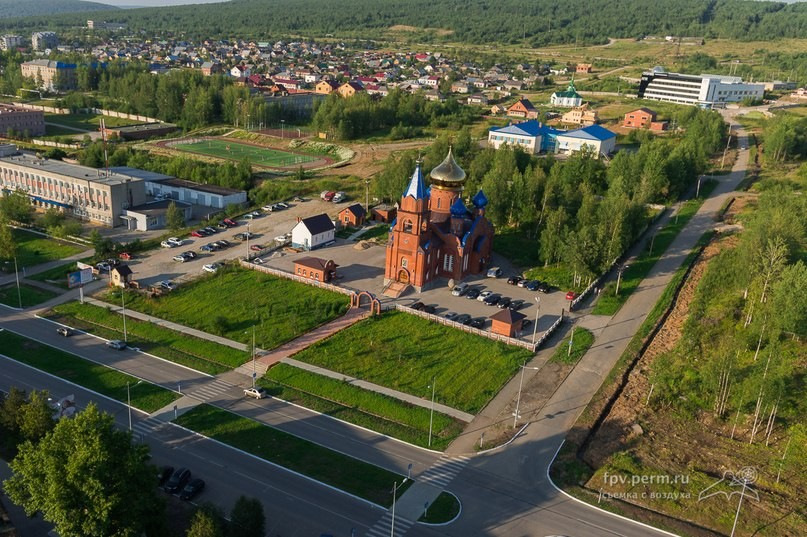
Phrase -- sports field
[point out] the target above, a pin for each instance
(228, 149)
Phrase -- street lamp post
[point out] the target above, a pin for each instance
(431, 414)
(537, 313)
(367, 196)
(619, 271)
(394, 492)
(520, 384)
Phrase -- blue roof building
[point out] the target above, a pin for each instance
(532, 136)
(594, 138)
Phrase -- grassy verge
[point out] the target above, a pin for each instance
(338, 470)
(380, 231)
(408, 353)
(362, 407)
(199, 354)
(33, 249)
(444, 509)
(56, 276)
(31, 296)
(582, 341)
(346, 232)
(609, 302)
(234, 300)
(99, 378)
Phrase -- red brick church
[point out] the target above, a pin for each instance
(435, 235)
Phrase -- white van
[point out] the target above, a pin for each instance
(460, 289)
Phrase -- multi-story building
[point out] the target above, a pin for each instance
(53, 75)
(705, 91)
(83, 192)
(44, 40)
(20, 120)
(10, 42)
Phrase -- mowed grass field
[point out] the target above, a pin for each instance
(33, 249)
(405, 352)
(229, 149)
(234, 300)
(30, 295)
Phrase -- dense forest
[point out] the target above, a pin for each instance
(18, 8)
(534, 22)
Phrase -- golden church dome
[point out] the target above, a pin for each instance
(448, 174)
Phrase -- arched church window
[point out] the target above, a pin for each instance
(407, 227)
(439, 202)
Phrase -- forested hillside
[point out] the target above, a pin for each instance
(536, 22)
(21, 8)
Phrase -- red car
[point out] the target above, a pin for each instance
(256, 247)
(196, 234)
(571, 295)
(126, 256)
(329, 196)
(229, 222)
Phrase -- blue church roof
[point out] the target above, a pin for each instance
(459, 209)
(480, 199)
(416, 188)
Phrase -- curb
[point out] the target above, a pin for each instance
(438, 524)
(566, 494)
(520, 431)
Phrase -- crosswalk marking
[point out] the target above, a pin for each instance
(210, 390)
(383, 527)
(147, 426)
(444, 470)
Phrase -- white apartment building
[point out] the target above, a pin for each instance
(9, 42)
(706, 91)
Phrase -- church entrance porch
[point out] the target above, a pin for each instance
(403, 276)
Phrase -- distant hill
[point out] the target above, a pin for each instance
(518, 22)
(23, 8)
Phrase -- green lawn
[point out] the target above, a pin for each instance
(343, 472)
(520, 250)
(230, 149)
(444, 509)
(96, 377)
(232, 301)
(33, 249)
(87, 122)
(609, 302)
(582, 341)
(199, 354)
(31, 296)
(353, 404)
(405, 352)
(57, 275)
(380, 231)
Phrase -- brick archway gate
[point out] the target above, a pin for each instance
(366, 299)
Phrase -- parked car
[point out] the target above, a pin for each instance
(103, 266)
(113, 262)
(479, 322)
(175, 241)
(126, 256)
(281, 239)
(166, 244)
(451, 315)
(418, 306)
(338, 197)
(571, 295)
(167, 285)
(222, 225)
(177, 481)
(526, 323)
(255, 393)
(240, 236)
(116, 344)
(189, 254)
(515, 305)
(483, 295)
(197, 233)
(492, 299)
(328, 196)
(282, 205)
(230, 222)
(256, 247)
(268, 208)
(164, 475)
(207, 248)
(473, 293)
(181, 258)
(192, 489)
(298, 199)
(460, 289)
(463, 318)
(64, 331)
(223, 243)
(258, 261)
(545, 288)
(211, 230)
(533, 285)
(430, 309)
(248, 216)
(503, 302)
(494, 272)
(211, 267)
(523, 282)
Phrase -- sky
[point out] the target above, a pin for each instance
(152, 3)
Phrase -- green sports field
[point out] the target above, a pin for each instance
(261, 156)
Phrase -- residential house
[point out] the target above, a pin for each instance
(643, 118)
(352, 215)
(581, 115)
(584, 68)
(478, 98)
(315, 268)
(349, 89)
(240, 71)
(313, 232)
(522, 108)
(460, 87)
(326, 87)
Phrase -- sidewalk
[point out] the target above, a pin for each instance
(42, 267)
